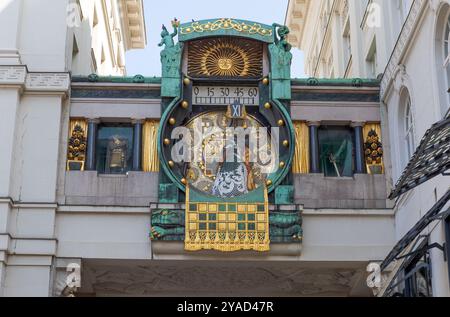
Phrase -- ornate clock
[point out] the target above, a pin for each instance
(226, 138)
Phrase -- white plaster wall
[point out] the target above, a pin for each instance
(36, 149)
(2, 277)
(330, 235)
(26, 281)
(418, 69)
(9, 103)
(10, 12)
(36, 41)
(362, 237)
(104, 235)
(42, 39)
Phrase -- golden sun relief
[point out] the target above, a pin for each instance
(225, 57)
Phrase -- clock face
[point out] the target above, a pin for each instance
(225, 84)
(222, 166)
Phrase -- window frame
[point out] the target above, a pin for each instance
(409, 129)
(353, 155)
(445, 49)
(129, 161)
(446, 43)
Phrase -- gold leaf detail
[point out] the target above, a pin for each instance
(225, 57)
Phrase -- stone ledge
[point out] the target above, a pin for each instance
(5, 240)
(30, 260)
(163, 250)
(32, 247)
(13, 75)
(34, 82)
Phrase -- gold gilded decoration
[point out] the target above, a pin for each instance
(373, 149)
(227, 227)
(172, 121)
(225, 57)
(300, 164)
(202, 173)
(185, 104)
(226, 24)
(285, 143)
(76, 153)
(265, 81)
(150, 157)
(176, 23)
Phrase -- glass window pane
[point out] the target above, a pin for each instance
(114, 149)
(336, 151)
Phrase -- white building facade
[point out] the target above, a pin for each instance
(39, 48)
(406, 45)
(90, 220)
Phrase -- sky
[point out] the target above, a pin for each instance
(157, 12)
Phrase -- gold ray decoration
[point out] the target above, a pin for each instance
(150, 158)
(225, 57)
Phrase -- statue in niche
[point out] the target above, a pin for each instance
(116, 155)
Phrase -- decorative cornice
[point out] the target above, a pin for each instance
(403, 42)
(296, 19)
(34, 82)
(48, 82)
(133, 23)
(12, 75)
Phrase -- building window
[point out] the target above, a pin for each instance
(409, 130)
(372, 60)
(406, 132)
(418, 277)
(442, 54)
(446, 44)
(114, 148)
(336, 152)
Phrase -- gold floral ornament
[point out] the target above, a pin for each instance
(225, 57)
(226, 24)
(76, 153)
(374, 153)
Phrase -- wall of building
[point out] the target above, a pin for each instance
(408, 39)
(420, 82)
(103, 34)
(36, 47)
(346, 38)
